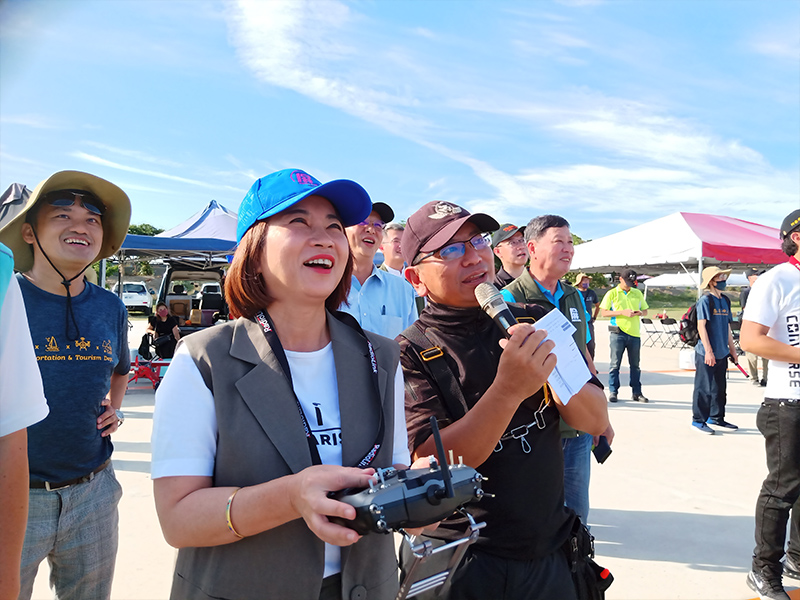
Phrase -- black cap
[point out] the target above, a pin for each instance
(384, 211)
(629, 275)
(506, 231)
(752, 272)
(790, 223)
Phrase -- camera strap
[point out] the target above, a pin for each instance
(262, 318)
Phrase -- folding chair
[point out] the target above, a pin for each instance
(652, 331)
(672, 333)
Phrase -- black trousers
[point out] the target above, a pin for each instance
(779, 422)
(483, 576)
(590, 345)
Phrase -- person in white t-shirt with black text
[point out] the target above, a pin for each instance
(771, 328)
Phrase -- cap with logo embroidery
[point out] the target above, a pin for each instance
(790, 223)
(505, 232)
(278, 191)
(432, 226)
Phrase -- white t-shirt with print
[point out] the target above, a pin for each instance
(184, 440)
(774, 302)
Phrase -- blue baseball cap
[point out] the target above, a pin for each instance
(278, 191)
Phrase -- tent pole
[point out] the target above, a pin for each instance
(699, 276)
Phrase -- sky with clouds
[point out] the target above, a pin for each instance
(610, 113)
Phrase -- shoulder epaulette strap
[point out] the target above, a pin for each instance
(432, 360)
(521, 312)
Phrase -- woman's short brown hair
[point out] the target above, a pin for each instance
(245, 290)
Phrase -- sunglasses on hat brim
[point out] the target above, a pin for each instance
(87, 200)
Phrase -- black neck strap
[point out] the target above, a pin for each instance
(70, 314)
(264, 321)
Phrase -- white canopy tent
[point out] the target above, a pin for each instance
(689, 280)
(688, 241)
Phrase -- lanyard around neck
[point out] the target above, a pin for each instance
(262, 318)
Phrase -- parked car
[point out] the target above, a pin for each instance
(178, 286)
(208, 288)
(135, 296)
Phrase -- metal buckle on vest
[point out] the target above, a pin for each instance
(431, 353)
(526, 320)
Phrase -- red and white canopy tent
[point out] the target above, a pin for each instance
(691, 241)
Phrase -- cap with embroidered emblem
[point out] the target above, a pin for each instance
(505, 232)
(790, 223)
(278, 191)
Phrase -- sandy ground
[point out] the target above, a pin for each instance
(672, 510)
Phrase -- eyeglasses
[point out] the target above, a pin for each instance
(376, 225)
(456, 250)
(69, 197)
(514, 242)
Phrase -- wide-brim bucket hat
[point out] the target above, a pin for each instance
(116, 216)
(710, 272)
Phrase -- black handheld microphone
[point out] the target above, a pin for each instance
(492, 303)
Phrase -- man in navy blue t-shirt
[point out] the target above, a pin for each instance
(711, 353)
(79, 333)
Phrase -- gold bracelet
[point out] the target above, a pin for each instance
(228, 514)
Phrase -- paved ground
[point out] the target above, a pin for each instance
(672, 509)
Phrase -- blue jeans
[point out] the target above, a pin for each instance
(619, 343)
(76, 529)
(577, 470)
(710, 389)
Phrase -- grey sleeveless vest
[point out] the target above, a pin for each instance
(261, 438)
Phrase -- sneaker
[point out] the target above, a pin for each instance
(767, 588)
(612, 397)
(722, 423)
(756, 383)
(702, 428)
(640, 398)
(763, 383)
(791, 567)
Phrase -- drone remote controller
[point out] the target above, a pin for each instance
(411, 497)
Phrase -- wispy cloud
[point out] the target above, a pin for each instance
(781, 41)
(438, 183)
(580, 2)
(646, 159)
(150, 173)
(135, 154)
(425, 33)
(20, 159)
(272, 39)
(31, 120)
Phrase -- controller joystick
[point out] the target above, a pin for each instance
(411, 497)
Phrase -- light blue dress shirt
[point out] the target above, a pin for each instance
(384, 304)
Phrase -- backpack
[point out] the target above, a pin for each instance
(688, 327)
(144, 347)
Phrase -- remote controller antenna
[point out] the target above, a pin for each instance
(437, 438)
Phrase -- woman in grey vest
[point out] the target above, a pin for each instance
(257, 420)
